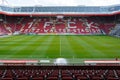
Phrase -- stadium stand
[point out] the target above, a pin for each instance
(59, 72)
(78, 26)
(116, 31)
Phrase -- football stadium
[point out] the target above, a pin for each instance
(44, 40)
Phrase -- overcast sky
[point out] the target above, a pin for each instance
(62, 2)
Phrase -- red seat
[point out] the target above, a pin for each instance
(52, 78)
(40, 78)
(6, 79)
(97, 78)
(111, 78)
(82, 78)
(22, 78)
(67, 78)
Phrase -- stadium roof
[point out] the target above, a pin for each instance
(59, 2)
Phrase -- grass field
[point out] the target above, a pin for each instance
(36, 47)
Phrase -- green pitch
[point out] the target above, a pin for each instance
(36, 47)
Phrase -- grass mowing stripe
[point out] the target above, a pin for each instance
(50, 46)
(53, 50)
(77, 48)
(25, 46)
(13, 42)
(45, 47)
(11, 38)
(6, 44)
(60, 46)
(93, 40)
(7, 50)
(13, 50)
(26, 50)
(66, 48)
(109, 45)
(89, 48)
(40, 51)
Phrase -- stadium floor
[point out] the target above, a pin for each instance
(36, 47)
